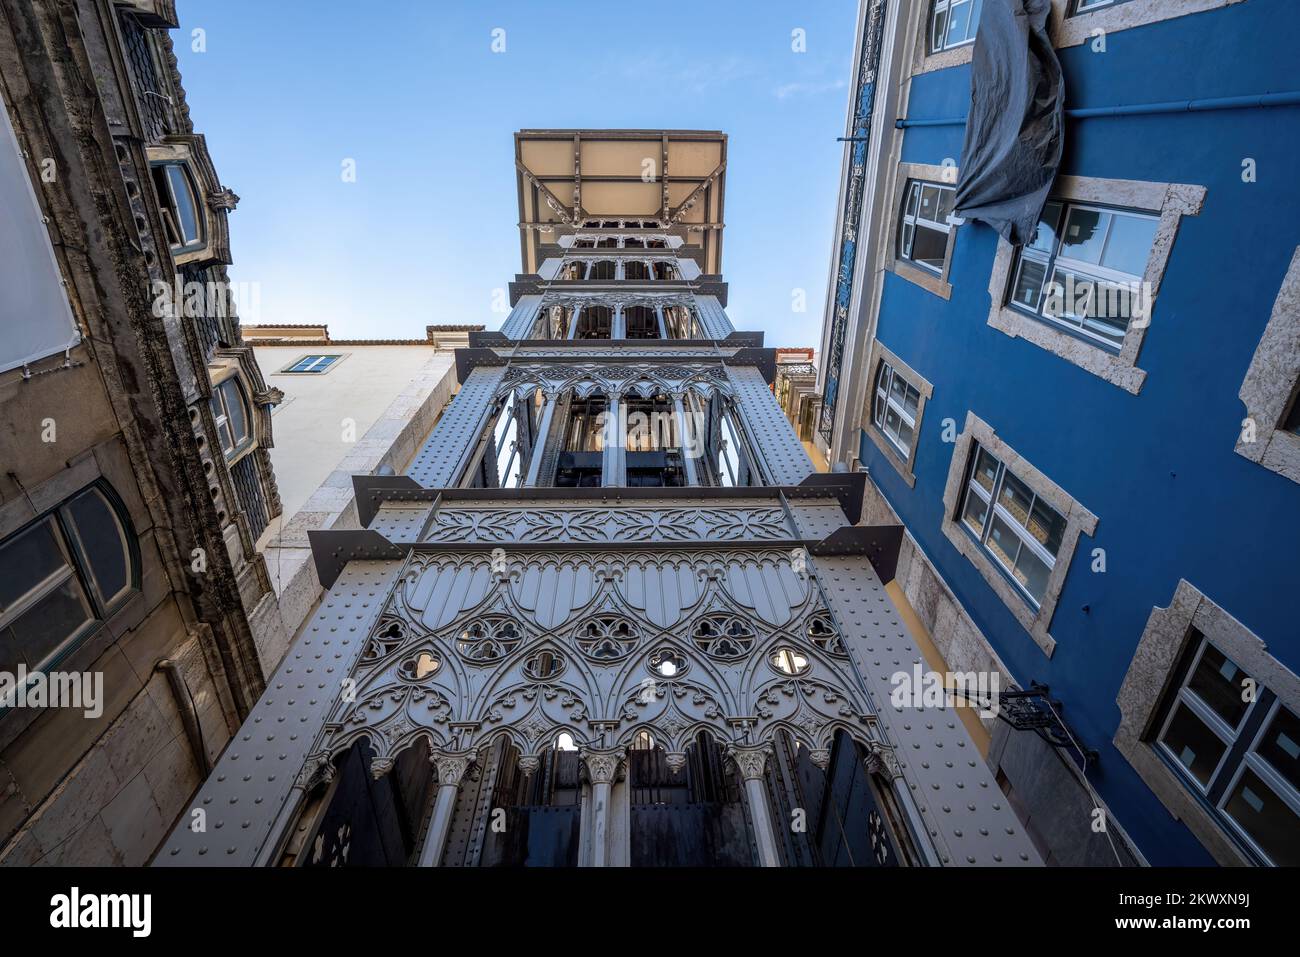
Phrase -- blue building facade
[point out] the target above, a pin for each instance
(1139, 520)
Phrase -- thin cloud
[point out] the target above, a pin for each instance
(788, 90)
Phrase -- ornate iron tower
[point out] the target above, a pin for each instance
(609, 615)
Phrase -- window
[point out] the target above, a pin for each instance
(923, 238)
(1021, 531)
(60, 576)
(1086, 6)
(953, 23)
(313, 364)
(231, 412)
(1238, 746)
(1084, 269)
(895, 409)
(178, 205)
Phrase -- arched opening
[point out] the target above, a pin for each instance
(686, 813)
(584, 242)
(602, 270)
(666, 271)
(640, 322)
(847, 816)
(535, 812)
(360, 821)
(607, 242)
(633, 242)
(635, 270)
(594, 322)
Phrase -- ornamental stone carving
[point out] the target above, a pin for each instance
(750, 761)
(451, 768)
(603, 767)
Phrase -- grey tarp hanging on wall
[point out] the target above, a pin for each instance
(1014, 133)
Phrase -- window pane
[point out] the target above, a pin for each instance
(905, 435)
(940, 30)
(26, 560)
(186, 211)
(1193, 744)
(1045, 237)
(986, 471)
(103, 543)
(47, 626)
(1085, 234)
(1266, 818)
(1129, 244)
(975, 513)
(1046, 525)
(1280, 745)
(960, 17)
(930, 203)
(929, 247)
(1003, 542)
(892, 421)
(1219, 683)
(235, 410)
(911, 401)
(1029, 283)
(907, 240)
(1015, 497)
(946, 199)
(913, 192)
(880, 411)
(897, 389)
(1031, 572)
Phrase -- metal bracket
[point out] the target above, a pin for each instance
(334, 548)
(880, 543)
(1033, 710)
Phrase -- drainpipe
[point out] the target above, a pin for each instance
(189, 713)
(1249, 101)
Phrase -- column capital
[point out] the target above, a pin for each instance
(603, 767)
(451, 766)
(751, 760)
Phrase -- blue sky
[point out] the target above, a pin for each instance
(411, 90)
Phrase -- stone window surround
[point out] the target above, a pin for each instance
(1171, 202)
(927, 280)
(1065, 30)
(1078, 520)
(1150, 678)
(1269, 390)
(880, 352)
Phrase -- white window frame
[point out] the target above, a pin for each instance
(880, 416)
(1053, 261)
(915, 188)
(1035, 618)
(313, 367)
(947, 6)
(994, 507)
(1279, 785)
(1145, 690)
(221, 416)
(1207, 716)
(1169, 202)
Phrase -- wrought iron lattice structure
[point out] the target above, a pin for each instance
(608, 616)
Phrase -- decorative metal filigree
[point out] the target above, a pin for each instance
(489, 639)
(725, 637)
(607, 638)
(823, 633)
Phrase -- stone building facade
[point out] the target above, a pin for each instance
(134, 469)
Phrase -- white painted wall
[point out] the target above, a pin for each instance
(308, 426)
